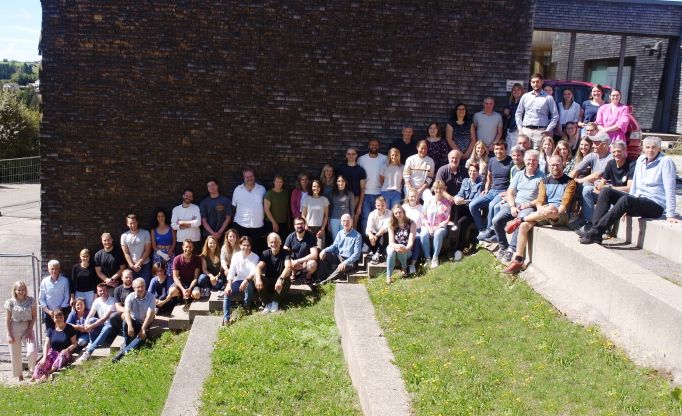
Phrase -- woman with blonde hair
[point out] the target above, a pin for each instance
(211, 277)
(563, 149)
(479, 157)
(230, 246)
(20, 320)
(435, 217)
(391, 178)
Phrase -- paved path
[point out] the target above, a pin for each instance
(20, 219)
(195, 365)
(369, 358)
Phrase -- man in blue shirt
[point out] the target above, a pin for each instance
(342, 256)
(652, 193)
(537, 112)
(54, 293)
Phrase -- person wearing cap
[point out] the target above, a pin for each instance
(651, 195)
(588, 171)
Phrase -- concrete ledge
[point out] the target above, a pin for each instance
(195, 365)
(370, 361)
(657, 236)
(639, 310)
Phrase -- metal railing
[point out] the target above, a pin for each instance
(14, 267)
(21, 170)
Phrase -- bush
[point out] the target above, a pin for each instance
(19, 128)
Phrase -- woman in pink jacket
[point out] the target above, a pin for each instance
(613, 118)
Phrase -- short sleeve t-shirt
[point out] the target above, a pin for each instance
(136, 243)
(215, 210)
(279, 205)
(102, 307)
(186, 268)
(619, 176)
(353, 174)
(110, 262)
(500, 170)
(315, 210)
(274, 263)
(121, 293)
(300, 248)
(60, 339)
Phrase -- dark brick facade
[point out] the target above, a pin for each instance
(144, 98)
(647, 69)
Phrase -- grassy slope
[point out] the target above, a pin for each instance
(136, 385)
(282, 364)
(469, 341)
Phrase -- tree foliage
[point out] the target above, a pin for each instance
(19, 128)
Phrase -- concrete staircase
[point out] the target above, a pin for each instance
(621, 286)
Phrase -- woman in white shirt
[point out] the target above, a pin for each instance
(243, 266)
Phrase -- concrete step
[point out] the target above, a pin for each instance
(655, 235)
(179, 319)
(199, 307)
(592, 284)
(116, 344)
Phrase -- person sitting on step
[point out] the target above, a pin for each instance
(140, 309)
(186, 268)
(273, 278)
(342, 256)
(377, 229)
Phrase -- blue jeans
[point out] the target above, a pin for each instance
(248, 297)
(391, 197)
(588, 199)
(500, 221)
(480, 202)
(205, 281)
(101, 336)
(88, 296)
(367, 207)
(438, 237)
(145, 273)
(416, 248)
(392, 256)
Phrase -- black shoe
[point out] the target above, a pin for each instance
(590, 238)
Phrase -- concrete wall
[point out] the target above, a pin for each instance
(144, 98)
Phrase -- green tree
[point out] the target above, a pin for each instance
(19, 128)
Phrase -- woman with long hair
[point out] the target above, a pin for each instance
(401, 237)
(316, 213)
(77, 318)
(572, 135)
(328, 181)
(563, 149)
(435, 217)
(480, 158)
(391, 178)
(584, 149)
(343, 202)
(163, 241)
(276, 206)
(299, 194)
(546, 150)
(211, 277)
(240, 277)
(509, 115)
(84, 279)
(230, 246)
(569, 111)
(591, 106)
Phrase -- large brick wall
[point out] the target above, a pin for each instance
(144, 98)
(647, 69)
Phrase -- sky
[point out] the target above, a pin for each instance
(20, 29)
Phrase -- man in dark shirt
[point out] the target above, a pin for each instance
(186, 269)
(109, 262)
(618, 172)
(302, 245)
(496, 183)
(120, 294)
(406, 144)
(451, 173)
(355, 178)
(274, 271)
(216, 211)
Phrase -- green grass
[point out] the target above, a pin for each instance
(281, 364)
(470, 341)
(137, 385)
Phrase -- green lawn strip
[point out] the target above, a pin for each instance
(138, 385)
(289, 363)
(469, 340)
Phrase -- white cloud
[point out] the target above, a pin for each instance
(27, 29)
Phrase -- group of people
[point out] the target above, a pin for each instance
(490, 175)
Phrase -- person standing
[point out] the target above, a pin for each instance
(216, 211)
(21, 318)
(537, 112)
(355, 177)
(84, 280)
(109, 262)
(247, 200)
(487, 124)
(136, 244)
(54, 294)
(186, 220)
(372, 162)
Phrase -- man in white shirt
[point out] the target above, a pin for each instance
(372, 163)
(186, 220)
(247, 200)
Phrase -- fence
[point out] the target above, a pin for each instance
(13, 267)
(22, 170)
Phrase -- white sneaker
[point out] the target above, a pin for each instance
(412, 269)
(266, 310)
(453, 227)
(84, 357)
(434, 263)
(273, 306)
(458, 255)
(375, 258)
